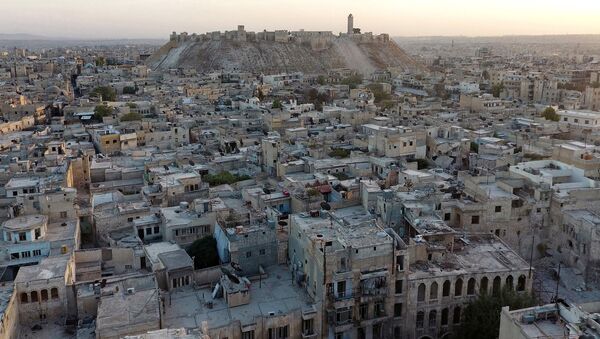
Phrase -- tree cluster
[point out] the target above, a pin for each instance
(105, 92)
(204, 252)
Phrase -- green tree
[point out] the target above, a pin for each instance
(339, 153)
(131, 117)
(129, 90)
(105, 92)
(276, 104)
(321, 80)
(550, 114)
(224, 178)
(102, 111)
(481, 318)
(497, 89)
(204, 252)
(352, 81)
(378, 92)
(100, 61)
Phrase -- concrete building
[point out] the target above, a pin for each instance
(269, 306)
(557, 320)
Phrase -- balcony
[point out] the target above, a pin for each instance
(308, 333)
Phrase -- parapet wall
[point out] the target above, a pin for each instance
(317, 40)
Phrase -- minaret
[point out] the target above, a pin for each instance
(350, 24)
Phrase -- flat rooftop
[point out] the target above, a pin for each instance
(277, 294)
(25, 222)
(48, 268)
(472, 254)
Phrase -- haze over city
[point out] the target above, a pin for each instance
(261, 169)
(110, 19)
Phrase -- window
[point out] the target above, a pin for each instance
(399, 286)
(458, 287)
(433, 291)
(22, 236)
(148, 231)
(156, 229)
(471, 286)
(34, 296)
(444, 317)
(496, 286)
(447, 216)
(341, 289)
(24, 298)
(498, 209)
(248, 254)
(521, 283)
(38, 233)
(421, 293)
(307, 327)
(262, 251)
(446, 289)
(26, 254)
(475, 219)
(63, 214)
(54, 293)
(129, 219)
(343, 315)
(509, 282)
(15, 255)
(400, 262)
(44, 295)
(420, 319)
(456, 317)
(432, 318)
(37, 253)
(379, 309)
(398, 310)
(483, 285)
(397, 332)
(363, 311)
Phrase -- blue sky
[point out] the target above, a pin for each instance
(156, 18)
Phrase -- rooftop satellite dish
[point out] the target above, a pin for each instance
(325, 206)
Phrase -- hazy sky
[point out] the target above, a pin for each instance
(157, 18)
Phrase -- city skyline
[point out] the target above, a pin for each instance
(152, 19)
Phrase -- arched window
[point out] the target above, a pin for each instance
(521, 283)
(458, 286)
(509, 282)
(24, 298)
(54, 293)
(446, 289)
(44, 295)
(34, 296)
(433, 291)
(421, 293)
(432, 318)
(456, 317)
(471, 286)
(444, 317)
(420, 319)
(483, 286)
(497, 285)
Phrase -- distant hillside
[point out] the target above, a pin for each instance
(512, 39)
(269, 56)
